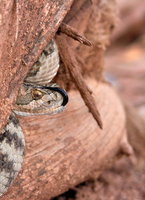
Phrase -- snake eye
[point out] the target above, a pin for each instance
(37, 94)
(49, 102)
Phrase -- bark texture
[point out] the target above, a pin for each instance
(25, 29)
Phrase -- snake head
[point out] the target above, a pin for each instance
(41, 100)
(60, 91)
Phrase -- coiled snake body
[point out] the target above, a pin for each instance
(36, 97)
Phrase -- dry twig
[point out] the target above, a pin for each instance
(71, 63)
(71, 32)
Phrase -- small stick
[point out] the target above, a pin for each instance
(71, 64)
(71, 32)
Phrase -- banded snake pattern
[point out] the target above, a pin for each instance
(37, 96)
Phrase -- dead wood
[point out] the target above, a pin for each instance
(71, 32)
(97, 24)
(25, 29)
(69, 61)
(71, 148)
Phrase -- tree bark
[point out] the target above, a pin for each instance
(25, 29)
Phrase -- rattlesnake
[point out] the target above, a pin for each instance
(36, 97)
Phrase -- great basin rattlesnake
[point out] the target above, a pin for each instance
(36, 97)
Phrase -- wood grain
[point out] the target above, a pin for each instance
(65, 149)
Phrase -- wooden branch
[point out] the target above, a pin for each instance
(71, 32)
(65, 149)
(71, 63)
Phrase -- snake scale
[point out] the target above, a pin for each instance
(37, 96)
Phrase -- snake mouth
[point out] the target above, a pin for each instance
(60, 91)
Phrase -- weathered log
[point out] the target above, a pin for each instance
(71, 148)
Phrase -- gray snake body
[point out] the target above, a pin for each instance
(36, 97)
